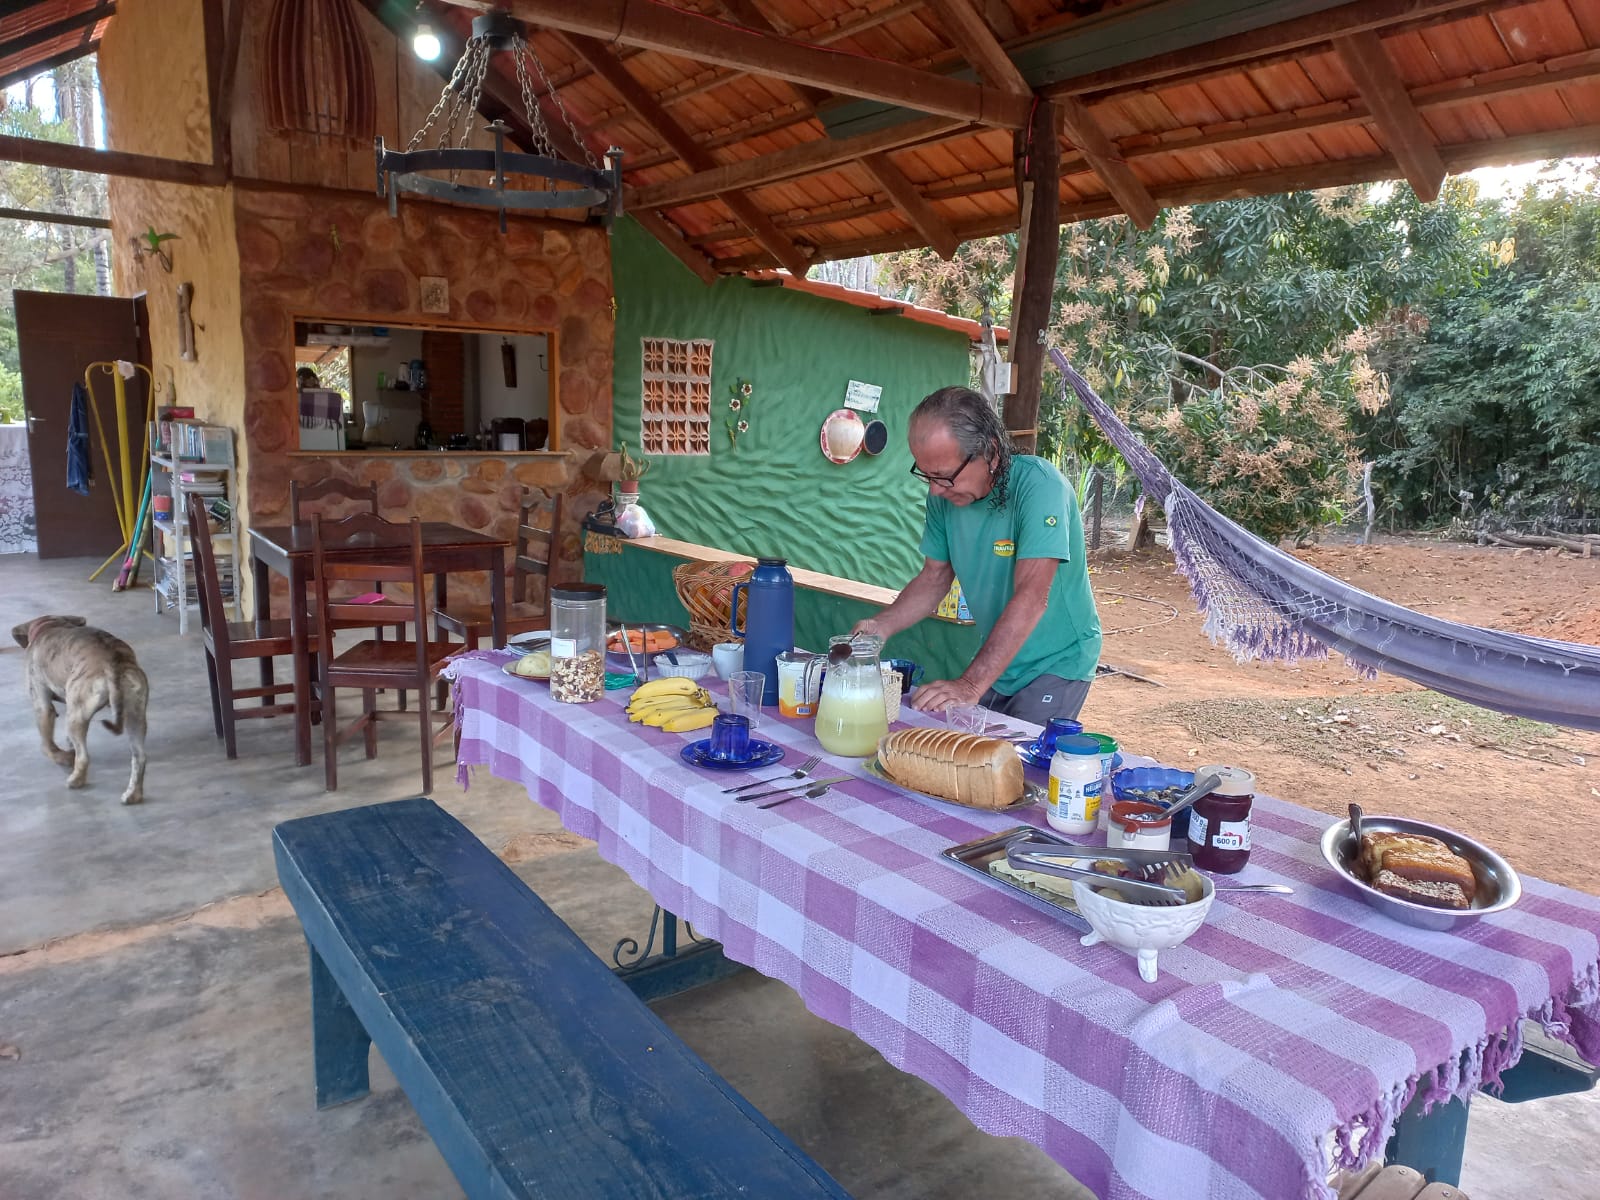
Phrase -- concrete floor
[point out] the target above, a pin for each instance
(153, 980)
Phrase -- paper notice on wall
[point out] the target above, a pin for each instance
(862, 396)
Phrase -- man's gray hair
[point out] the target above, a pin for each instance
(977, 429)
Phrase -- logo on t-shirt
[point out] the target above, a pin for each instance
(1005, 548)
(1050, 521)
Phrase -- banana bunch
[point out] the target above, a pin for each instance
(676, 705)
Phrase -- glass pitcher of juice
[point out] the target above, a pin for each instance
(850, 715)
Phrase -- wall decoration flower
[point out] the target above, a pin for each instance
(739, 395)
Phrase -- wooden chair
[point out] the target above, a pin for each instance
(538, 531)
(372, 665)
(226, 642)
(311, 499)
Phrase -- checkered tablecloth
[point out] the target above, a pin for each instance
(1282, 1039)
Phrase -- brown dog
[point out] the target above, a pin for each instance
(89, 669)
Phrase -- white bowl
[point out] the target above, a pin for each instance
(1142, 928)
(691, 664)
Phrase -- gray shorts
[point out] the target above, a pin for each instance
(1047, 696)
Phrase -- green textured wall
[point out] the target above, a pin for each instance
(776, 494)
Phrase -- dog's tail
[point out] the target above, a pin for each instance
(115, 723)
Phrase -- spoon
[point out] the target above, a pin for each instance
(840, 653)
(1352, 837)
(1198, 789)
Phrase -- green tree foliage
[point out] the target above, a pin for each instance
(1497, 382)
(41, 256)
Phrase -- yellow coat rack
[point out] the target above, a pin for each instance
(123, 491)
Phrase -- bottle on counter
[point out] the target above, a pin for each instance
(1073, 804)
(1219, 824)
(768, 620)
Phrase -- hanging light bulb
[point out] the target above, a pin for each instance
(425, 42)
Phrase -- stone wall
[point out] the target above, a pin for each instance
(315, 254)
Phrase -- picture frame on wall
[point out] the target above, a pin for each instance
(435, 294)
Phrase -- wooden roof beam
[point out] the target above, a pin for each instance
(68, 157)
(672, 241)
(660, 27)
(665, 126)
(969, 32)
(1378, 81)
(913, 206)
(807, 158)
(1106, 160)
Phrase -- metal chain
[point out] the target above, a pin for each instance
(541, 132)
(566, 116)
(450, 90)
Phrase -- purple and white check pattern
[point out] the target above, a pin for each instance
(1282, 1039)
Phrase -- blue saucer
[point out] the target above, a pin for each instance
(1028, 752)
(762, 754)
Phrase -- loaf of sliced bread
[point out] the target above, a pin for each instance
(977, 771)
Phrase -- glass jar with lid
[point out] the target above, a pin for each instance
(578, 642)
(1219, 825)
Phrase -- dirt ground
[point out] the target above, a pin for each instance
(1320, 735)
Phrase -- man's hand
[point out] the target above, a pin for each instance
(942, 693)
(870, 627)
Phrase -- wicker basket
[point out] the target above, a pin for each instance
(706, 589)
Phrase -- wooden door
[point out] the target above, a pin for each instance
(58, 336)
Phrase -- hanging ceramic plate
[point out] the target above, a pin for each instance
(842, 435)
(877, 437)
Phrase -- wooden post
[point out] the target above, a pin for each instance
(1039, 165)
(1097, 506)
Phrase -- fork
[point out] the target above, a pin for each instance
(810, 793)
(799, 772)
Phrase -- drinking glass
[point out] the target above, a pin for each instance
(744, 695)
(966, 718)
(730, 737)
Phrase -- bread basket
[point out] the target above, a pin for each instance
(706, 589)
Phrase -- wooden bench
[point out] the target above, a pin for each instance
(537, 1071)
(1378, 1182)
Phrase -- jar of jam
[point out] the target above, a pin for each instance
(1219, 824)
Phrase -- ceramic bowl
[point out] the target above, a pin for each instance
(691, 664)
(1144, 929)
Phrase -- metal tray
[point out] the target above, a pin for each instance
(1498, 885)
(976, 856)
(617, 660)
(1032, 793)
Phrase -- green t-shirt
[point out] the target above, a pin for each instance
(1040, 520)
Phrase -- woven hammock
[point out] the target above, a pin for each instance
(1265, 604)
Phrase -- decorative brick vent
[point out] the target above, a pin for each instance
(676, 414)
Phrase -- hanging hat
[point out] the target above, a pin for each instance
(842, 435)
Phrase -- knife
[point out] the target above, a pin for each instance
(810, 793)
(808, 783)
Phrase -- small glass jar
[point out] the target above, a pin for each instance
(578, 642)
(1219, 824)
(1074, 794)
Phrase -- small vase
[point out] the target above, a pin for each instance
(628, 487)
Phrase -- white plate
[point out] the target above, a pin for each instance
(520, 642)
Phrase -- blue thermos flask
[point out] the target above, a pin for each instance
(768, 620)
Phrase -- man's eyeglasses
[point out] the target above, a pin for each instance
(943, 480)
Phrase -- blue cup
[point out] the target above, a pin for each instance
(910, 673)
(730, 738)
(1059, 727)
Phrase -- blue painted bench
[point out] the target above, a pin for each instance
(537, 1071)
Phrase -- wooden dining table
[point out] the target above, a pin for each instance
(286, 550)
(1288, 1036)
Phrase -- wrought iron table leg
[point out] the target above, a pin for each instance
(654, 976)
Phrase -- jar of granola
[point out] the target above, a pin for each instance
(578, 642)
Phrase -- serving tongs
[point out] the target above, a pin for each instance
(1058, 859)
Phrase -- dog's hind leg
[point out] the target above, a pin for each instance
(135, 694)
(78, 736)
(44, 712)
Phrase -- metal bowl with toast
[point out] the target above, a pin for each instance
(1498, 887)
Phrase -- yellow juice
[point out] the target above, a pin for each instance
(850, 717)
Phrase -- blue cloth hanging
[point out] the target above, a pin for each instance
(80, 474)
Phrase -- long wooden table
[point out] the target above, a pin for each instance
(286, 549)
(1290, 1035)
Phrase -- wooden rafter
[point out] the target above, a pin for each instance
(808, 158)
(672, 240)
(1107, 162)
(935, 230)
(659, 27)
(1393, 112)
(968, 31)
(666, 127)
(107, 162)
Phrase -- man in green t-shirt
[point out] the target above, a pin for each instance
(1007, 526)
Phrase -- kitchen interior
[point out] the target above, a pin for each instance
(396, 387)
